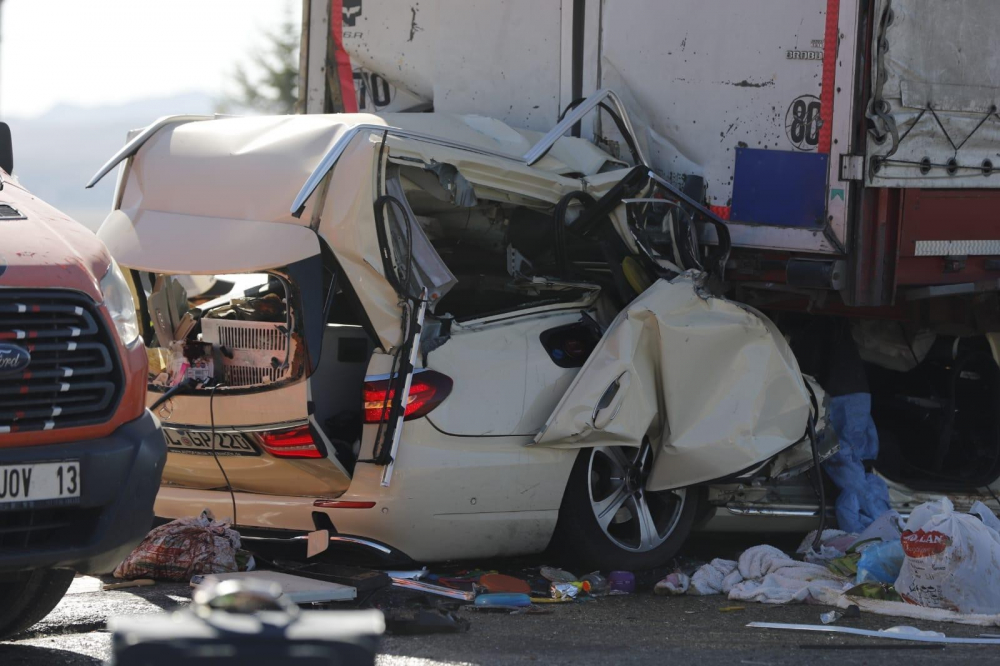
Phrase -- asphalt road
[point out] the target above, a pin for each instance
(636, 629)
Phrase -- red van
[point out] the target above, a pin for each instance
(80, 455)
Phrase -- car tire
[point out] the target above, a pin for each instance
(580, 537)
(28, 596)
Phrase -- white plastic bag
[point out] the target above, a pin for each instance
(952, 561)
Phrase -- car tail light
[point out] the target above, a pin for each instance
(294, 443)
(427, 390)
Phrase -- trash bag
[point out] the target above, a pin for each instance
(951, 561)
(886, 527)
(984, 514)
(863, 496)
(832, 544)
(674, 584)
(183, 548)
(880, 563)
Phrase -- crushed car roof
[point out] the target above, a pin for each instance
(243, 174)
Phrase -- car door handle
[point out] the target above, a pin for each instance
(611, 401)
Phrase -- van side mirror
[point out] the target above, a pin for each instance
(6, 149)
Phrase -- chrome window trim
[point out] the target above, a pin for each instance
(573, 117)
(133, 146)
(338, 148)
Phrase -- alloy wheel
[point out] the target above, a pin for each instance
(633, 518)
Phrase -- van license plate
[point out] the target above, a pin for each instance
(36, 484)
(199, 442)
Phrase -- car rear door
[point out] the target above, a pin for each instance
(711, 383)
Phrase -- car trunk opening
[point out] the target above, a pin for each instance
(274, 369)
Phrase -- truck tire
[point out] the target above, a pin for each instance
(609, 521)
(28, 596)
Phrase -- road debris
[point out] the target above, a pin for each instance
(764, 574)
(555, 575)
(902, 633)
(496, 582)
(419, 622)
(296, 589)
(440, 590)
(504, 599)
(249, 619)
(139, 582)
(951, 560)
(621, 582)
(184, 548)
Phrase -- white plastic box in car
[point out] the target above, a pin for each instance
(254, 352)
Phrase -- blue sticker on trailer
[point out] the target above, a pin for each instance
(780, 188)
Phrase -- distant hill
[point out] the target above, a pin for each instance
(56, 153)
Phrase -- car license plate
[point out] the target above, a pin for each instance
(199, 442)
(36, 484)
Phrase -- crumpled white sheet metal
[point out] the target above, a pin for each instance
(719, 372)
(212, 197)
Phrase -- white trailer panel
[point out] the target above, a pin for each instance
(936, 75)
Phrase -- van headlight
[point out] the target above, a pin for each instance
(118, 301)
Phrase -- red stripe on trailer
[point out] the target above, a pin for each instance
(344, 70)
(830, 42)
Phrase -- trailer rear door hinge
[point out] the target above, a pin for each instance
(852, 167)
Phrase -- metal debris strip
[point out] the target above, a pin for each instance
(922, 637)
(419, 586)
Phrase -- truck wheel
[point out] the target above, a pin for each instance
(609, 521)
(28, 596)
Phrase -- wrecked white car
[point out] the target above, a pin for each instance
(449, 339)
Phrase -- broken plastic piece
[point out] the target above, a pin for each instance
(504, 599)
(317, 542)
(554, 575)
(139, 582)
(296, 589)
(419, 586)
(895, 633)
(495, 582)
(415, 574)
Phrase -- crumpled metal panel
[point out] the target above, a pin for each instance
(935, 66)
(712, 383)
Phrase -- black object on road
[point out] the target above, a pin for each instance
(246, 623)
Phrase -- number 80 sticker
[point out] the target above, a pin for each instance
(802, 122)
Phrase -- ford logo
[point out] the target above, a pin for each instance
(13, 359)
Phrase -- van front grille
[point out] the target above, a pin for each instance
(73, 377)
